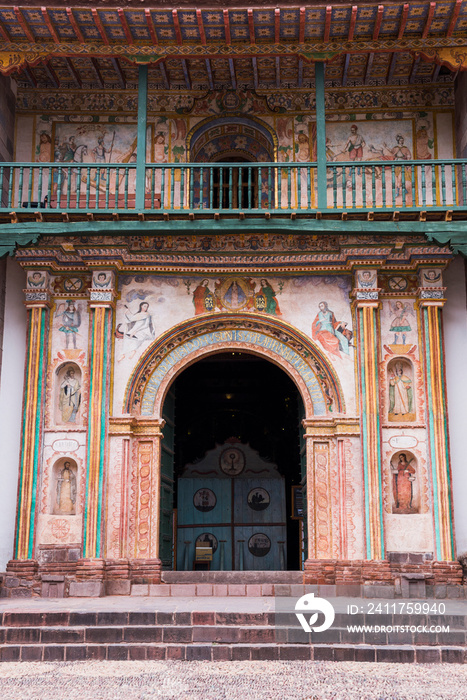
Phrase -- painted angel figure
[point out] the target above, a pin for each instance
(139, 329)
(400, 324)
(71, 321)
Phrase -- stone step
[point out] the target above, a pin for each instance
(233, 577)
(189, 590)
(233, 652)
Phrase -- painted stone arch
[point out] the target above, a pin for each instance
(248, 137)
(274, 340)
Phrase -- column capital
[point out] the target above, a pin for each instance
(37, 292)
(430, 291)
(102, 292)
(365, 290)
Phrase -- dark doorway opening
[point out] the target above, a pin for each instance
(239, 395)
(235, 186)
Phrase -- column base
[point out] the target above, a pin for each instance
(21, 579)
(145, 570)
(117, 577)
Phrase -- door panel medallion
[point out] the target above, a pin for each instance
(204, 500)
(232, 461)
(258, 499)
(259, 545)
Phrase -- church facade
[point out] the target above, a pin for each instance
(194, 196)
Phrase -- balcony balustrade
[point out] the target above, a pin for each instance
(226, 188)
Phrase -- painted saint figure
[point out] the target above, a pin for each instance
(333, 335)
(70, 396)
(139, 329)
(71, 321)
(402, 482)
(203, 298)
(355, 144)
(266, 299)
(400, 393)
(66, 490)
(400, 324)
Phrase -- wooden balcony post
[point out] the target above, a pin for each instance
(141, 137)
(320, 134)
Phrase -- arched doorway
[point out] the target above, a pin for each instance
(147, 401)
(237, 465)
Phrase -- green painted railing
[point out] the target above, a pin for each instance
(209, 188)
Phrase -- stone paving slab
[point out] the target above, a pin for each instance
(235, 680)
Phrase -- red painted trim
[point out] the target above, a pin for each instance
(24, 25)
(454, 16)
(126, 28)
(327, 23)
(74, 24)
(178, 33)
(353, 21)
(100, 27)
(379, 19)
(150, 24)
(429, 20)
(202, 33)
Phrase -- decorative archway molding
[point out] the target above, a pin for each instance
(267, 337)
(215, 127)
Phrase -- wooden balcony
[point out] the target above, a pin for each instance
(384, 189)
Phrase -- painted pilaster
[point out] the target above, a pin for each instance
(37, 304)
(101, 307)
(431, 301)
(366, 295)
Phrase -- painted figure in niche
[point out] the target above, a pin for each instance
(403, 476)
(333, 335)
(70, 396)
(203, 298)
(139, 329)
(265, 299)
(400, 325)
(400, 395)
(235, 297)
(44, 149)
(71, 321)
(423, 141)
(302, 147)
(66, 490)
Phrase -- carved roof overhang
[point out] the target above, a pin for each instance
(366, 39)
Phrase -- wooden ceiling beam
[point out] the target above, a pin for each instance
(233, 77)
(209, 72)
(100, 26)
(202, 33)
(413, 72)
(454, 16)
(178, 31)
(125, 27)
(120, 74)
(346, 69)
(51, 74)
(300, 72)
(429, 20)
(30, 76)
(255, 72)
(369, 65)
(327, 23)
(24, 25)
(403, 22)
(228, 38)
(165, 76)
(4, 33)
(186, 74)
(50, 26)
(150, 25)
(301, 29)
(74, 25)
(278, 72)
(277, 25)
(251, 26)
(73, 72)
(378, 20)
(353, 21)
(97, 72)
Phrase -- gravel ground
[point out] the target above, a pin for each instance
(251, 680)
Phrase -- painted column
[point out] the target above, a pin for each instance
(141, 137)
(431, 302)
(101, 306)
(321, 134)
(37, 304)
(366, 303)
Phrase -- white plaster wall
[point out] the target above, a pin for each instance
(11, 401)
(455, 338)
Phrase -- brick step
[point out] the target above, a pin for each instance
(233, 652)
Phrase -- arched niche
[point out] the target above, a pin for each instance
(64, 487)
(400, 383)
(67, 394)
(405, 483)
